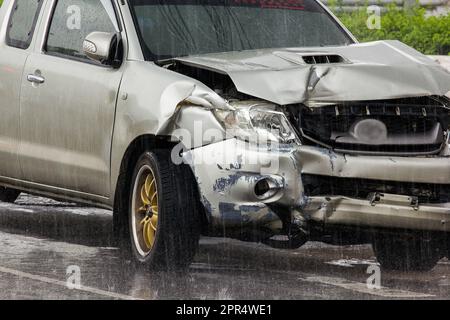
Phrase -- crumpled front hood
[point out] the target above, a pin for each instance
(371, 71)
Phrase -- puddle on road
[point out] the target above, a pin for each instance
(45, 240)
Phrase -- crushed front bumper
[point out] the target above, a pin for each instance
(228, 173)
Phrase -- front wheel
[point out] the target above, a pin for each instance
(163, 213)
(409, 253)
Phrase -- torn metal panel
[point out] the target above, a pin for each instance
(185, 92)
(370, 71)
(196, 126)
(227, 173)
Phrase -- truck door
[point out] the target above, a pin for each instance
(15, 47)
(68, 103)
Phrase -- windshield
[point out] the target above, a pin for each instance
(177, 28)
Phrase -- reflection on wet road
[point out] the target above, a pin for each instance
(40, 239)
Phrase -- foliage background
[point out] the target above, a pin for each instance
(429, 35)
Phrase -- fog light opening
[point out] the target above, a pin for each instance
(266, 188)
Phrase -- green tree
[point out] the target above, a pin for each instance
(429, 35)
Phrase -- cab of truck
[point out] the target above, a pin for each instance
(258, 120)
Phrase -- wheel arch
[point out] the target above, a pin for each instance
(140, 144)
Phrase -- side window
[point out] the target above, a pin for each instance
(22, 22)
(73, 20)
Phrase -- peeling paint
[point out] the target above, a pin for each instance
(251, 208)
(229, 212)
(222, 184)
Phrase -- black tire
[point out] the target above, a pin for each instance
(178, 232)
(8, 195)
(409, 253)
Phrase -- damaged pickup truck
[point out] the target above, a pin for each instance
(259, 120)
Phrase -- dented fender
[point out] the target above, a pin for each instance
(150, 98)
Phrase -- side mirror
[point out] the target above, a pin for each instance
(104, 47)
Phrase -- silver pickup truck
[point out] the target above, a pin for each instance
(261, 120)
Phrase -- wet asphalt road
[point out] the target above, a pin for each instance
(41, 238)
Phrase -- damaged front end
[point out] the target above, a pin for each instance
(310, 142)
(299, 190)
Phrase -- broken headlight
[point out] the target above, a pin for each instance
(257, 122)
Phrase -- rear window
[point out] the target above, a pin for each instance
(22, 23)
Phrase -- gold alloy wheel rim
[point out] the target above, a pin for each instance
(146, 211)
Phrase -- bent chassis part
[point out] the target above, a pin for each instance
(228, 173)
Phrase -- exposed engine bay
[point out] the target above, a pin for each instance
(410, 126)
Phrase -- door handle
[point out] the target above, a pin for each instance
(33, 78)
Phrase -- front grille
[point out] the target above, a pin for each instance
(316, 185)
(397, 127)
